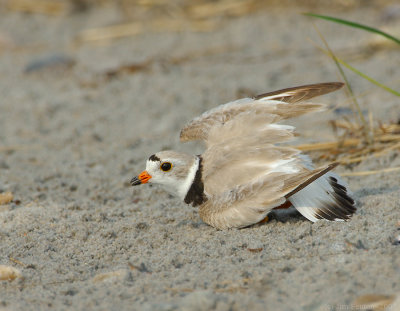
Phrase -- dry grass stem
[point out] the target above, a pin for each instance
(351, 146)
(47, 7)
(110, 32)
(373, 172)
(18, 262)
(113, 32)
(218, 8)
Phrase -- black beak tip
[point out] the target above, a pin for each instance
(135, 181)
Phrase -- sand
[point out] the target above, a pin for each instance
(74, 130)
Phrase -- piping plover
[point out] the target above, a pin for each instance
(246, 171)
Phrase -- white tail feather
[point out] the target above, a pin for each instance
(325, 198)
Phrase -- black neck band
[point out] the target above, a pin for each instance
(195, 195)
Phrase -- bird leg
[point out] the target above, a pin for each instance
(285, 205)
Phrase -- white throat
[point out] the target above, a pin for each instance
(184, 187)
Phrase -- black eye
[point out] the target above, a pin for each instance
(166, 166)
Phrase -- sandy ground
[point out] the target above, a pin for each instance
(73, 132)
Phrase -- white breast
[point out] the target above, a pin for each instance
(184, 187)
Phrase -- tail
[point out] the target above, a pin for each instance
(325, 198)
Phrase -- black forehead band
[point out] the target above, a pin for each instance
(154, 158)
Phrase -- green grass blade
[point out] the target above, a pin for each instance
(355, 25)
(338, 61)
(366, 77)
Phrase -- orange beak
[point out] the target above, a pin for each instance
(143, 178)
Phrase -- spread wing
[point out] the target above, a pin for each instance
(273, 102)
(245, 167)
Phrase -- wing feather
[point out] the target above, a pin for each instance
(283, 104)
(300, 93)
(249, 203)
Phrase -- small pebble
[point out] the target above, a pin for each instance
(50, 62)
(8, 273)
(6, 198)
